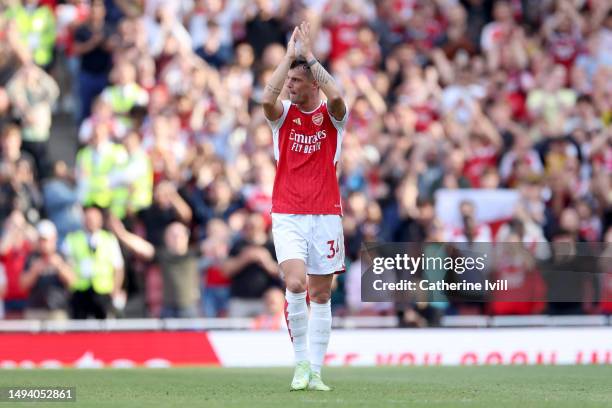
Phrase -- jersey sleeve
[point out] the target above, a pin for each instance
(276, 125)
(339, 124)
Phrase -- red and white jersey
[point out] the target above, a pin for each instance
(307, 149)
(478, 161)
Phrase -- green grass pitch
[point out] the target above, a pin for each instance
(492, 386)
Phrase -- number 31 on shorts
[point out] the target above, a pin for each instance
(334, 248)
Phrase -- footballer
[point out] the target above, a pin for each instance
(306, 209)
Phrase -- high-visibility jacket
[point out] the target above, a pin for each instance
(37, 30)
(122, 98)
(94, 171)
(93, 267)
(139, 193)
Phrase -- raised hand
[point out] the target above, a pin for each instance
(303, 37)
(291, 49)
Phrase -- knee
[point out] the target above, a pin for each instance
(296, 285)
(295, 275)
(319, 296)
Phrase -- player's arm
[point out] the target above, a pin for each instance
(273, 107)
(335, 103)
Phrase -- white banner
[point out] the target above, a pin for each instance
(490, 205)
(424, 347)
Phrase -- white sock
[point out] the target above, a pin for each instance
(297, 322)
(318, 333)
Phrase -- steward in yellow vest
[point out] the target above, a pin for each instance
(97, 263)
(125, 93)
(36, 27)
(133, 181)
(95, 164)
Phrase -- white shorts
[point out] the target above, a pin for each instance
(318, 240)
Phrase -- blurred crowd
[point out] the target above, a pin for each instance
(166, 210)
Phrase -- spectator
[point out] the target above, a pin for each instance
(166, 27)
(264, 26)
(102, 112)
(168, 207)
(95, 257)
(585, 116)
(221, 13)
(10, 147)
(33, 93)
(567, 275)
(125, 93)
(213, 50)
(47, 277)
(343, 19)
(520, 162)
(529, 231)
(415, 229)
(134, 181)
(61, 203)
(118, 9)
(13, 52)
(496, 34)
(36, 27)
(590, 226)
(457, 36)
(252, 268)
(15, 247)
(550, 101)
(164, 154)
(563, 33)
(70, 15)
(17, 188)
(92, 45)
(215, 286)
(95, 164)
(273, 317)
(452, 176)
(179, 266)
(25, 192)
(216, 201)
(470, 231)
(513, 263)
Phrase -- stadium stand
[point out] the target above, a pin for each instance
(472, 99)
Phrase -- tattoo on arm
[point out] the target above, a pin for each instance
(321, 75)
(273, 90)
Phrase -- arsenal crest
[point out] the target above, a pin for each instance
(317, 119)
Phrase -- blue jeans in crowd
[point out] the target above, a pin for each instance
(90, 86)
(215, 300)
